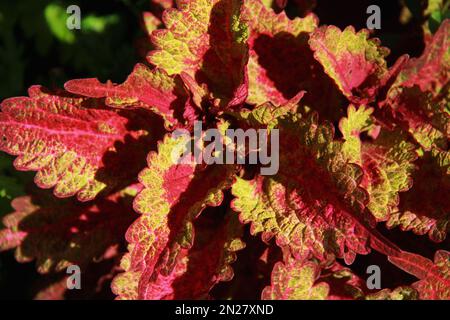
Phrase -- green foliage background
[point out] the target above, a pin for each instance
(37, 48)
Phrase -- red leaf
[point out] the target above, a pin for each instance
(76, 144)
(418, 99)
(314, 205)
(355, 62)
(434, 277)
(144, 88)
(198, 269)
(62, 233)
(202, 39)
(174, 195)
(295, 280)
(424, 209)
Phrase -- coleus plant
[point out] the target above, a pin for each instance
(363, 148)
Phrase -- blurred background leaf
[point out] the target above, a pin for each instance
(36, 47)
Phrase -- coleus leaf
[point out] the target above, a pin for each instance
(198, 269)
(399, 293)
(267, 115)
(151, 22)
(295, 280)
(173, 196)
(418, 99)
(315, 207)
(424, 209)
(345, 285)
(278, 66)
(63, 233)
(387, 162)
(430, 71)
(76, 144)
(434, 276)
(355, 62)
(144, 88)
(203, 38)
(308, 280)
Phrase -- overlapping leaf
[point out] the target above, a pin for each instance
(310, 281)
(278, 66)
(355, 62)
(424, 209)
(76, 144)
(434, 276)
(322, 205)
(63, 233)
(173, 196)
(418, 99)
(387, 162)
(314, 204)
(295, 280)
(144, 88)
(198, 269)
(346, 285)
(204, 39)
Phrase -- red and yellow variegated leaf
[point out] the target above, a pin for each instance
(309, 281)
(434, 276)
(424, 117)
(76, 144)
(314, 204)
(266, 114)
(399, 293)
(430, 72)
(355, 62)
(280, 59)
(346, 285)
(296, 280)
(387, 162)
(151, 22)
(205, 39)
(173, 196)
(144, 88)
(419, 100)
(424, 209)
(198, 269)
(58, 234)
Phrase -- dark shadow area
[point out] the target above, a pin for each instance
(133, 151)
(252, 271)
(401, 38)
(66, 230)
(288, 62)
(225, 60)
(429, 195)
(36, 46)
